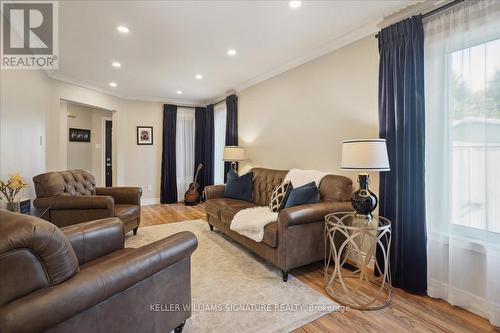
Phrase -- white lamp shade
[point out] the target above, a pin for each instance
(234, 153)
(365, 154)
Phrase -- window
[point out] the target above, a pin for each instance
(220, 114)
(474, 109)
(184, 150)
(462, 156)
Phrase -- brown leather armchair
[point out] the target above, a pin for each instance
(73, 198)
(82, 279)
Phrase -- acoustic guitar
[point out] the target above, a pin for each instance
(192, 195)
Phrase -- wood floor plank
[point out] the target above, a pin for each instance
(406, 313)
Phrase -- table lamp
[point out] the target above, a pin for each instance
(364, 155)
(234, 154)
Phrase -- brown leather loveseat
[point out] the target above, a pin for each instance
(74, 198)
(81, 278)
(297, 238)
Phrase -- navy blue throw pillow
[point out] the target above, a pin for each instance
(305, 194)
(239, 187)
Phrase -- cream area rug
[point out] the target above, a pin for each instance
(234, 290)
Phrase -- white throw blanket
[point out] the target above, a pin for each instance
(250, 222)
(300, 177)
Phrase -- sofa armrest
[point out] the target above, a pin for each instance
(94, 239)
(214, 191)
(311, 213)
(62, 202)
(122, 195)
(93, 285)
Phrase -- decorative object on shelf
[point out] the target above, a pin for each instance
(234, 154)
(364, 284)
(24, 205)
(144, 135)
(10, 189)
(79, 135)
(192, 195)
(364, 155)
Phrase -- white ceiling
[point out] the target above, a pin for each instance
(170, 42)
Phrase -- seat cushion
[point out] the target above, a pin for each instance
(213, 207)
(127, 213)
(270, 230)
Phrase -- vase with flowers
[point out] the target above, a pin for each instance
(10, 189)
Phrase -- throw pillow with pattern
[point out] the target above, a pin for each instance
(279, 196)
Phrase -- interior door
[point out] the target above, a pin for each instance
(108, 160)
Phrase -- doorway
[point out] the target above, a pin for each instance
(89, 141)
(108, 159)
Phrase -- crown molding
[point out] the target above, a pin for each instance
(183, 102)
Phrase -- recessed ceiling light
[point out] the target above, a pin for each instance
(198, 76)
(295, 4)
(116, 64)
(112, 84)
(123, 29)
(179, 92)
(231, 52)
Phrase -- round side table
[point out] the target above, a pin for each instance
(353, 276)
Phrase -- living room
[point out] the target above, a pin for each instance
(253, 166)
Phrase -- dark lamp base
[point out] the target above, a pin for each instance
(363, 200)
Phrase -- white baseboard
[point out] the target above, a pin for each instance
(149, 201)
(356, 257)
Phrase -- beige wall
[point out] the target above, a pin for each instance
(24, 101)
(299, 118)
(143, 163)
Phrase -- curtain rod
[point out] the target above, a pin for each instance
(194, 107)
(437, 10)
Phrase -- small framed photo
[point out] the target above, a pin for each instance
(144, 135)
(79, 135)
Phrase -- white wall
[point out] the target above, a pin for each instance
(24, 102)
(299, 118)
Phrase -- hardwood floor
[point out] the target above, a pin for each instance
(406, 313)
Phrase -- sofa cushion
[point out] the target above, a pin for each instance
(127, 213)
(270, 230)
(305, 194)
(239, 187)
(279, 196)
(213, 207)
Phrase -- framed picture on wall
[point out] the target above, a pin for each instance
(79, 135)
(144, 135)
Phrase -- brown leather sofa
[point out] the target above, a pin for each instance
(297, 238)
(81, 278)
(74, 198)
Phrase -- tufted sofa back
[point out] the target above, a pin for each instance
(332, 187)
(264, 181)
(37, 255)
(71, 183)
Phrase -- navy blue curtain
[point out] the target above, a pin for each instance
(199, 144)
(402, 124)
(231, 127)
(209, 146)
(168, 186)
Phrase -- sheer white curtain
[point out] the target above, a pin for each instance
(184, 150)
(220, 115)
(462, 75)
